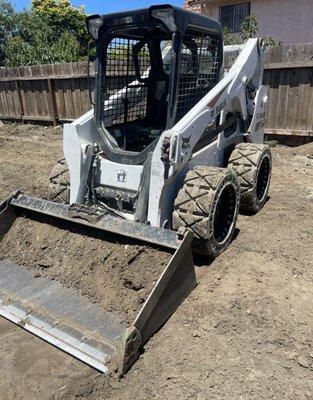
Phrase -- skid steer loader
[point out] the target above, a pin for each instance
(169, 154)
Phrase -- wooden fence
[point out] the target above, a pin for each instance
(51, 93)
(59, 93)
(289, 77)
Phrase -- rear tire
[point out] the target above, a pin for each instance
(208, 205)
(59, 183)
(253, 165)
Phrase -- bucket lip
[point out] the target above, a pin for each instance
(150, 234)
(59, 315)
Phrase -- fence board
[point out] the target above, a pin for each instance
(60, 92)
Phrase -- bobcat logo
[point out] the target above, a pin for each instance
(186, 143)
(121, 175)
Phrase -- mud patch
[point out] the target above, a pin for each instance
(118, 276)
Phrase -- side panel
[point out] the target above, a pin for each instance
(76, 137)
(127, 177)
(174, 285)
(208, 155)
(257, 125)
(74, 156)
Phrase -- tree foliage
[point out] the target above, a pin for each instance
(51, 31)
(7, 16)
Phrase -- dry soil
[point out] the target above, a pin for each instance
(245, 332)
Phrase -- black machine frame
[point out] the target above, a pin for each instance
(143, 26)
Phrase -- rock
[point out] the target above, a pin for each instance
(45, 264)
(128, 283)
(133, 256)
(303, 362)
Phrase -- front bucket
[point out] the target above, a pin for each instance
(72, 322)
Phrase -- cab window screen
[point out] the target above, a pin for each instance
(125, 99)
(198, 71)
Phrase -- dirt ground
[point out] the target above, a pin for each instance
(245, 332)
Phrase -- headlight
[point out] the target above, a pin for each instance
(94, 23)
(166, 15)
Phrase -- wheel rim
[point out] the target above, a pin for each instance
(263, 179)
(225, 213)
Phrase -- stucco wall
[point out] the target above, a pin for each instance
(289, 21)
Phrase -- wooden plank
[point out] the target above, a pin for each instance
(67, 90)
(2, 99)
(280, 76)
(309, 120)
(59, 93)
(288, 111)
(43, 78)
(51, 102)
(288, 132)
(272, 83)
(289, 65)
(19, 98)
(304, 97)
(8, 99)
(76, 92)
(27, 118)
(34, 104)
(286, 105)
(26, 97)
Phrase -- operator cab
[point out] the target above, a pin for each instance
(153, 66)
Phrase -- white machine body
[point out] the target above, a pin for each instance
(228, 96)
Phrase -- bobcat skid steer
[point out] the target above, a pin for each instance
(169, 154)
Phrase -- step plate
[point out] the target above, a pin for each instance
(59, 315)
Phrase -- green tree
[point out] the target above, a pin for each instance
(7, 23)
(51, 31)
(64, 17)
(37, 51)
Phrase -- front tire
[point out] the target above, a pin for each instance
(208, 205)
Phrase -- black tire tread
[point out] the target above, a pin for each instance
(194, 202)
(245, 161)
(59, 182)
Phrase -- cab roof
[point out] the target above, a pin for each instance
(181, 17)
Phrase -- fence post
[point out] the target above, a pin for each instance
(51, 101)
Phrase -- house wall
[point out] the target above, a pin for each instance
(288, 21)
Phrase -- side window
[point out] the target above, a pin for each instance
(186, 66)
(143, 58)
(167, 56)
(198, 69)
(125, 99)
(207, 56)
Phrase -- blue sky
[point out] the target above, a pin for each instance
(105, 6)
